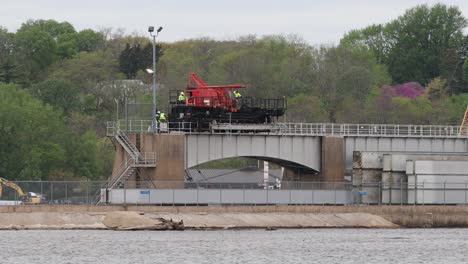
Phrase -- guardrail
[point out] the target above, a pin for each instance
(146, 158)
(188, 193)
(371, 130)
(300, 129)
(283, 185)
(89, 192)
(139, 126)
(171, 192)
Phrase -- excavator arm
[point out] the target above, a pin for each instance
(11, 185)
(29, 198)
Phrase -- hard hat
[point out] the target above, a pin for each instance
(159, 112)
(181, 92)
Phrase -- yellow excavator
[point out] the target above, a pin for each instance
(27, 198)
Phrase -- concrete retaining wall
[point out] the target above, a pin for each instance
(228, 196)
(383, 175)
(437, 182)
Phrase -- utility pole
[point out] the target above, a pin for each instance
(153, 72)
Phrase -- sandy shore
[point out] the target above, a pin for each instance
(139, 220)
(206, 217)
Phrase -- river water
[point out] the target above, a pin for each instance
(237, 246)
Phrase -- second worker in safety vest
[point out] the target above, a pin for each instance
(181, 98)
(160, 117)
(237, 94)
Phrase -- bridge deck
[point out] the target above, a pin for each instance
(299, 129)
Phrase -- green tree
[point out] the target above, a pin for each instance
(465, 70)
(61, 94)
(94, 73)
(6, 44)
(423, 35)
(411, 111)
(8, 67)
(88, 154)
(415, 45)
(31, 136)
(83, 155)
(373, 37)
(449, 110)
(343, 72)
(436, 89)
(304, 108)
(34, 51)
(135, 58)
(50, 26)
(89, 40)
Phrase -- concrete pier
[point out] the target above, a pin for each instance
(170, 158)
(333, 159)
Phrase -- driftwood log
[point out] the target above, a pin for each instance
(139, 221)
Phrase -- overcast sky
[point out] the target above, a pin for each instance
(317, 21)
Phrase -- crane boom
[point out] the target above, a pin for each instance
(464, 124)
(195, 82)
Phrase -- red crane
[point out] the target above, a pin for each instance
(203, 105)
(200, 94)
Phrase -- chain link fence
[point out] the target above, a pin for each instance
(274, 192)
(55, 192)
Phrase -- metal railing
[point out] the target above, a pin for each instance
(300, 129)
(171, 192)
(370, 130)
(272, 185)
(139, 126)
(56, 192)
(120, 172)
(89, 192)
(145, 159)
(203, 193)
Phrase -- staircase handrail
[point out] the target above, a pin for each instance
(147, 158)
(133, 150)
(96, 198)
(123, 167)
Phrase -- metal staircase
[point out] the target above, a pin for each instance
(129, 167)
(125, 142)
(126, 170)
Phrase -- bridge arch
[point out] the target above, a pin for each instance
(287, 151)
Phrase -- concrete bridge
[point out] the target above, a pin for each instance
(286, 150)
(307, 151)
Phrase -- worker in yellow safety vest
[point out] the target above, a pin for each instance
(181, 98)
(237, 94)
(162, 117)
(157, 116)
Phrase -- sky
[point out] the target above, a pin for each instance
(316, 21)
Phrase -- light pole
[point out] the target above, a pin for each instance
(117, 113)
(151, 30)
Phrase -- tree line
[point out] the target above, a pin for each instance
(58, 86)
